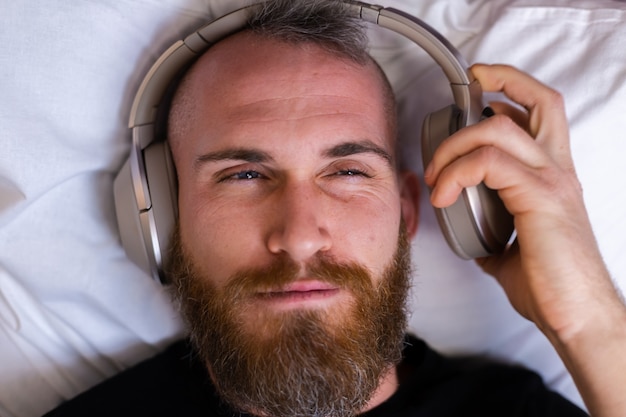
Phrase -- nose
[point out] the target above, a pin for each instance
(300, 223)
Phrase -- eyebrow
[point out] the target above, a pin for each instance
(353, 148)
(239, 154)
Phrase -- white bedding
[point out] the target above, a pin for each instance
(74, 310)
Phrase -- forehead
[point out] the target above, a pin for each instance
(251, 78)
(246, 65)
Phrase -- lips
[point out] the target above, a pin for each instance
(302, 290)
(308, 285)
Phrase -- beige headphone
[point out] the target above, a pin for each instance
(145, 188)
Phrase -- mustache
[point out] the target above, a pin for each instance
(284, 271)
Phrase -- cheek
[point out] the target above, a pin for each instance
(367, 232)
(218, 236)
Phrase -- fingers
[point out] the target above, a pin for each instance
(520, 117)
(510, 146)
(523, 188)
(547, 122)
(499, 132)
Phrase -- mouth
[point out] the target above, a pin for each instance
(301, 293)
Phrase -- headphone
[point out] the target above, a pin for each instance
(145, 189)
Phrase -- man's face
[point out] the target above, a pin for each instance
(286, 164)
(287, 152)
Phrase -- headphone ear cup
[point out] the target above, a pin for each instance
(129, 218)
(146, 234)
(477, 224)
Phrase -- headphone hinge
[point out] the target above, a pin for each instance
(369, 12)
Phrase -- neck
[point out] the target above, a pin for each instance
(388, 385)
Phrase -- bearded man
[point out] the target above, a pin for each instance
(290, 260)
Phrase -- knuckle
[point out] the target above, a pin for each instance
(488, 156)
(554, 99)
(502, 122)
(488, 152)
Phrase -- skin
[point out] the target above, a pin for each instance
(310, 131)
(553, 274)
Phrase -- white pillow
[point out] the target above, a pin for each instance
(74, 310)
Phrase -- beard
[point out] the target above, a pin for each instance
(308, 362)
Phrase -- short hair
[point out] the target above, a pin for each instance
(326, 23)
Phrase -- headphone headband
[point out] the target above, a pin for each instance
(155, 83)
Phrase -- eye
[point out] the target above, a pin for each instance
(242, 176)
(247, 175)
(352, 173)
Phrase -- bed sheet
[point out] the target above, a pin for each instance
(74, 310)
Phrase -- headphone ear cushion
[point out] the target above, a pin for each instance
(162, 182)
(477, 224)
(146, 233)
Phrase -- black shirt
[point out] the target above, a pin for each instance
(175, 383)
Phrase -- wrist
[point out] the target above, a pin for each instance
(593, 352)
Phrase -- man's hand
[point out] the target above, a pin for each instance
(553, 274)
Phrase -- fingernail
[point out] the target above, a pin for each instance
(429, 171)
